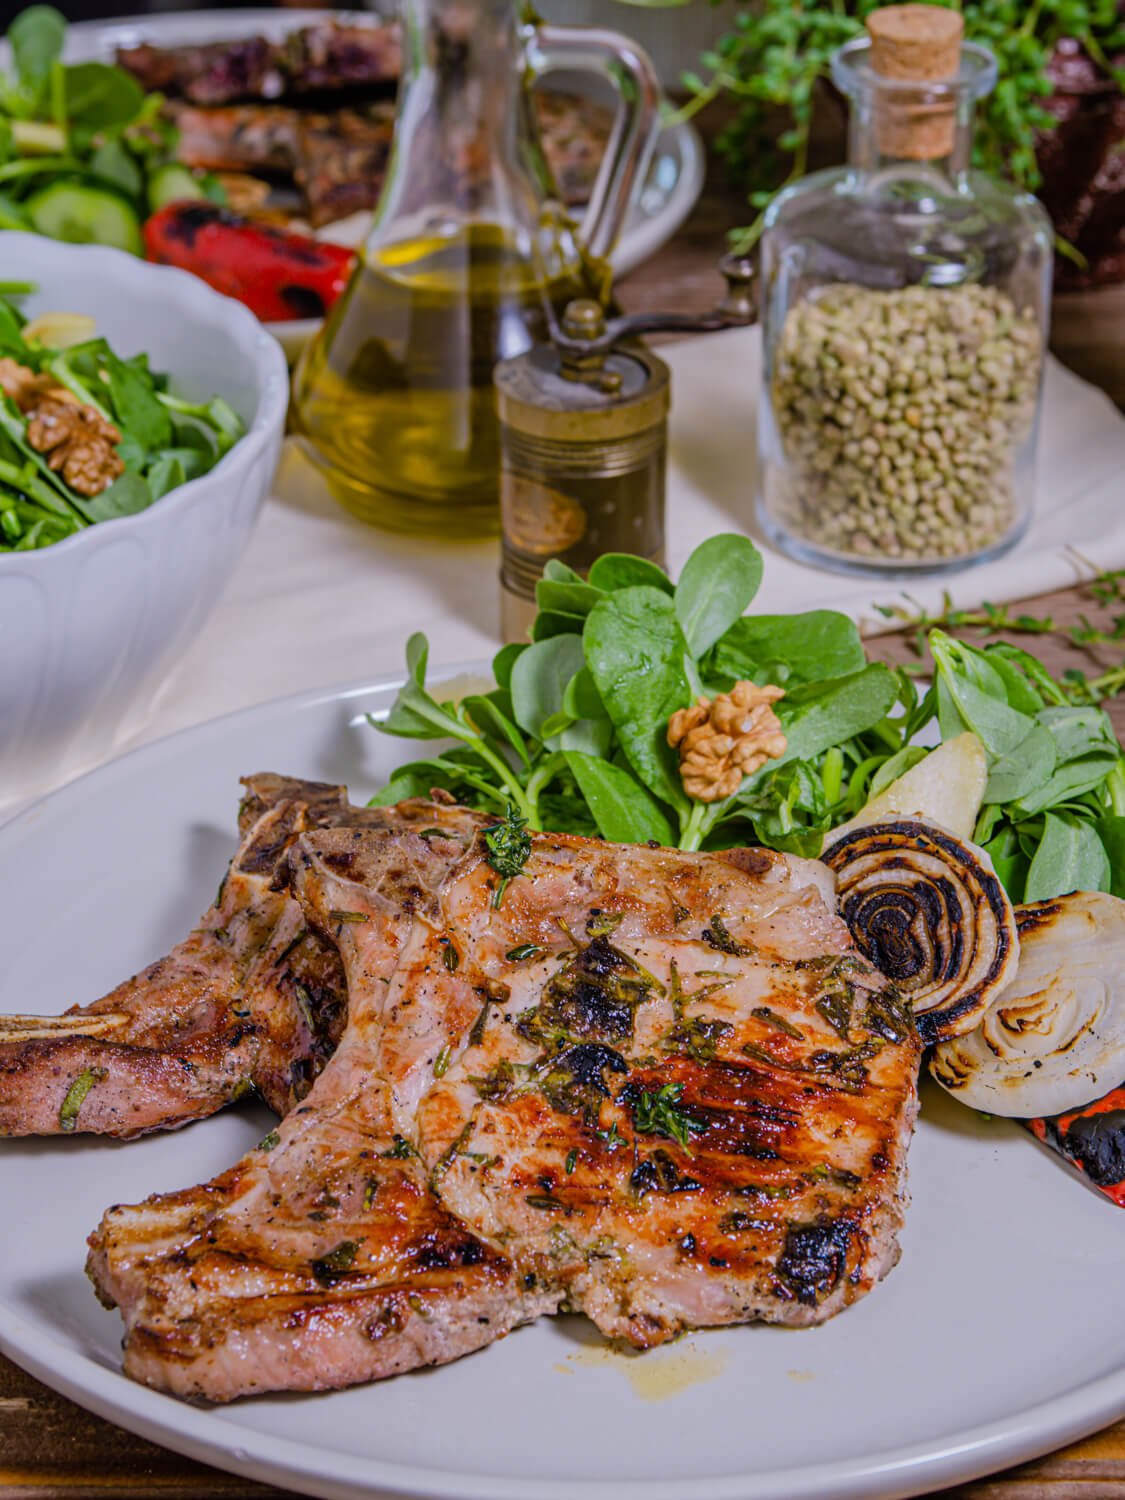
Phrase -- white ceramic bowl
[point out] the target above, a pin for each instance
(91, 626)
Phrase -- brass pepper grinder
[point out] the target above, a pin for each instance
(584, 440)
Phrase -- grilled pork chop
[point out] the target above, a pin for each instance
(661, 1088)
(320, 1259)
(687, 1104)
(252, 999)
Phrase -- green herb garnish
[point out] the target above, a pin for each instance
(328, 1269)
(611, 1139)
(268, 1142)
(401, 1150)
(602, 923)
(716, 936)
(76, 1095)
(509, 847)
(524, 950)
(544, 1201)
(657, 1112)
(779, 1023)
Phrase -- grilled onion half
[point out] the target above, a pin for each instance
(1055, 1039)
(928, 910)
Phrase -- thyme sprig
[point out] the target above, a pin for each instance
(657, 1112)
(509, 846)
(1105, 590)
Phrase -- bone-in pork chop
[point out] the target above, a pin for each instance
(661, 1088)
(253, 999)
(322, 1258)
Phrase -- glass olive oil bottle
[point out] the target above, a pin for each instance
(396, 399)
(393, 399)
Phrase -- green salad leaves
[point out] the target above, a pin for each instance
(165, 440)
(85, 153)
(1054, 808)
(573, 738)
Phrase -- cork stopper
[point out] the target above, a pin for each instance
(915, 44)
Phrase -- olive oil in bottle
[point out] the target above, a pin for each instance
(394, 398)
(468, 249)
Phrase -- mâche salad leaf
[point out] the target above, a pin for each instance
(574, 737)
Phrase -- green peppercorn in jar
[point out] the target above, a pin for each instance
(904, 312)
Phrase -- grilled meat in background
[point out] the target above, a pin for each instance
(325, 59)
(305, 125)
(1083, 166)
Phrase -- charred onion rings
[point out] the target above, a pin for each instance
(929, 911)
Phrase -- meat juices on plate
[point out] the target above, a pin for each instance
(659, 1088)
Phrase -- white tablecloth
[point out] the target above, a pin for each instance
(321, 599)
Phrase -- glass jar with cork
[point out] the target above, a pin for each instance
(905, 304)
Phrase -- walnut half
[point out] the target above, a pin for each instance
(725, 739)
(78, 443)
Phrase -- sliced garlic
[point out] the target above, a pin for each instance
(60, 330)
(929, 912)
(1055, 1038)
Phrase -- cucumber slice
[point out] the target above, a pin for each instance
(172, 184)
(85, 215)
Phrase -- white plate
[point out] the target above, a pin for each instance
(997, 1337)
(675, 175)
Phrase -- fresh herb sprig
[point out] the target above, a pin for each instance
(658, 1112)
(776, 56)
(1105, 590)
(509, 845)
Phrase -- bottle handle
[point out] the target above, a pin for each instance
(594, 50)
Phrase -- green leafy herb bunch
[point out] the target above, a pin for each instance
(778, 52)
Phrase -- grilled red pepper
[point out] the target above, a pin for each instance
(277, 275)
(1093, 1140)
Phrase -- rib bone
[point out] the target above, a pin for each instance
(43, 1028)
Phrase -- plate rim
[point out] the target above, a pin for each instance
(904, 1471)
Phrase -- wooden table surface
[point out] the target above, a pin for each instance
(51, 1449)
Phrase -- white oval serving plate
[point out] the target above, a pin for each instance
(675, 174)
(996, 1338)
